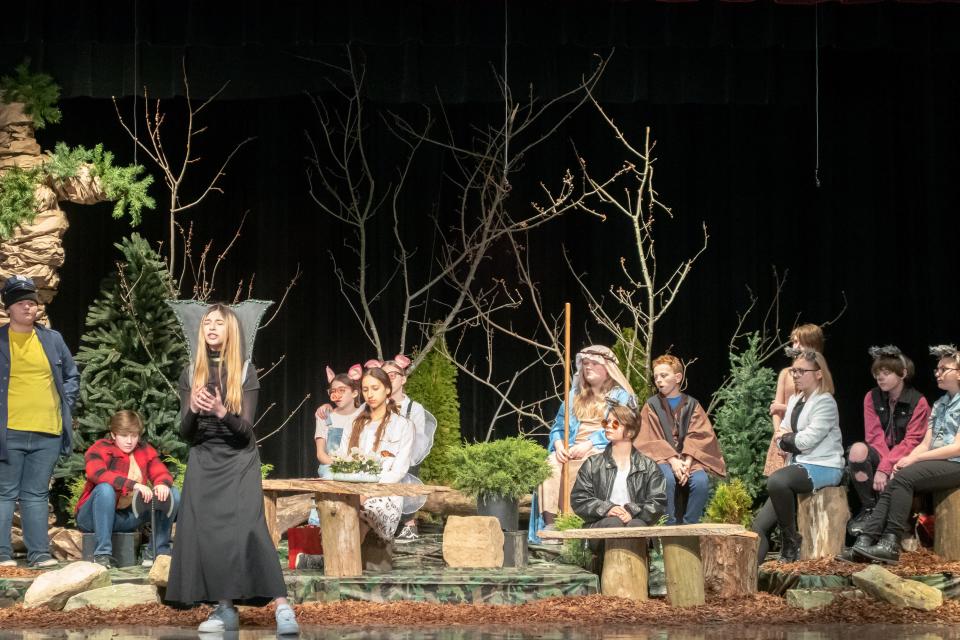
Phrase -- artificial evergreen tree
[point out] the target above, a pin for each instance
(633, 363)
(434, 385)
(743, 422)
(131, 356)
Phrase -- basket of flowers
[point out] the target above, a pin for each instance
(356, 467)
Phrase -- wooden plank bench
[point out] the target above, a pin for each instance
(625, 572)
(338, 504)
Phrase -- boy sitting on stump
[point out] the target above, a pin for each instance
(118, 468)
(676, 433)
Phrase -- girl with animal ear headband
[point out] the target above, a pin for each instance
(933, 465)
(344, 391)
(895, 419)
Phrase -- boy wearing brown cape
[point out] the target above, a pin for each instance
(676, 433)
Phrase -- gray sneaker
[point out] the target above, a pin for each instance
(222, 619)
(287, 621)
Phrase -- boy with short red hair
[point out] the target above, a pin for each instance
(118, 468)
(676, 433)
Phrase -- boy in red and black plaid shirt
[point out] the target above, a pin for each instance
(117, 468)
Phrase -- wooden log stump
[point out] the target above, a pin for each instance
(730, 564)
(340, 524)
(946, 532)
(822, 521)
(684, 571)
(270, 515)
(625, 571)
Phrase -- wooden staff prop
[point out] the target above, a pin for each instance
(565, 472)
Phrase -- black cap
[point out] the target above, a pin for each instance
(18, 288)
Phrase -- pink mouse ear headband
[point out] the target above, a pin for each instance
(401, 361)
(354, 373)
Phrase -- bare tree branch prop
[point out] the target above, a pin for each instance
(284, 423)
(643, 298)
(173, 173)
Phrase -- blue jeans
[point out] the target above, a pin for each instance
(100, 515)
(698, 490)
(25, 476)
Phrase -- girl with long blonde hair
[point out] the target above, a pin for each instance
(224, 552)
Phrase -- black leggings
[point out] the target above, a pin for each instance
(893, 508)
(781, 507)
(864, 488)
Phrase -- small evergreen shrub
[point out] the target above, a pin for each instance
(633, 363)
(37, 91)
(742, 422)
(575, 552)
(510, 468)
(731, 504)
(434, 385)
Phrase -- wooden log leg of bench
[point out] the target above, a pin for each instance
(270, 515)
(946, 532)
(684, 571)
(625, 572)
(340, 528)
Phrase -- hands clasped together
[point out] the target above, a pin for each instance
(203, 400)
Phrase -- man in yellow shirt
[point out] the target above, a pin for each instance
(39, 384)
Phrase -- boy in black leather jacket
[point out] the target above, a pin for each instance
(621, 487)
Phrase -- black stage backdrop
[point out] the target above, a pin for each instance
(729, 91)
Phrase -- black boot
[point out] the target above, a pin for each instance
(856, 525)
(850, 553)
(790, 550)
(886, 551)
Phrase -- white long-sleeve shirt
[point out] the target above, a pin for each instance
(397, 440)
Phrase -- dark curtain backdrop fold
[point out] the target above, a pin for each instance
(728, 91)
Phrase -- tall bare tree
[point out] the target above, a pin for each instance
(485, 160)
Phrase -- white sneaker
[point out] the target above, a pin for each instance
(287, 621)
(9, 562)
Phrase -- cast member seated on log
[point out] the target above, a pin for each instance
(812, 446)
(933, 465)
(344, 393)
(597, 379)
(425, 425)
(676, 432)
(39, 384)
(621, 487)
(380, 432)
(118, 468)
(808, 337)
(223, 551)
(895, 419)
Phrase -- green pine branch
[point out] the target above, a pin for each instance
(37, 91)
(17, 200)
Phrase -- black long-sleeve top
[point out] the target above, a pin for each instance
(235, 429)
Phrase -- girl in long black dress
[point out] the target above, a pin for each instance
(223, 552)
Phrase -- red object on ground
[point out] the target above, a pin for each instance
(302, 540)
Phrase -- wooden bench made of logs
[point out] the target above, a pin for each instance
(625, 572)
(338, 504)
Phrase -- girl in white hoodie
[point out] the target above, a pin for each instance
(809, 438)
